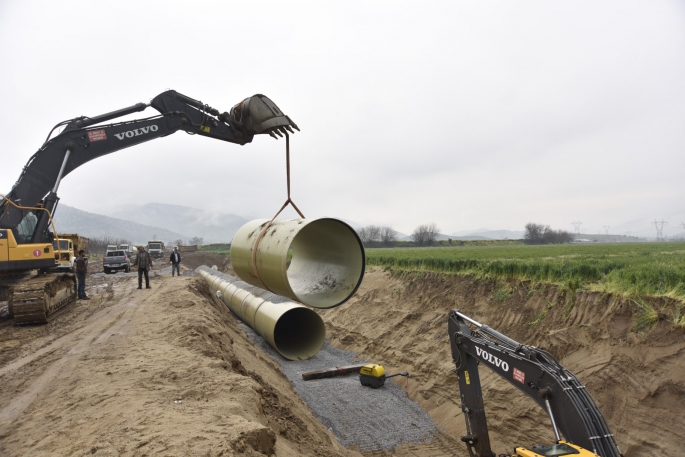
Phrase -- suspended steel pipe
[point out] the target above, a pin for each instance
(318, 262)
(295, 331)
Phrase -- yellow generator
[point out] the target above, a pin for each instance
(374, 376)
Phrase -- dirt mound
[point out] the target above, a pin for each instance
(636, 376)
(165, 371)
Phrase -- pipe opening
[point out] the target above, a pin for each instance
(299, 334)
(327, 264)
(318, 262)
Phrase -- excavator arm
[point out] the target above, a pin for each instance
(85, 138)
(536, 373)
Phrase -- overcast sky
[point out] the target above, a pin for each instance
(462, 113)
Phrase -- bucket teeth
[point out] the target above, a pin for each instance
(272, 135)
(293, 124)
(278, 132)
(287, 127)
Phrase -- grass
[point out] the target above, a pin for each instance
(216, 248)
(632, 269)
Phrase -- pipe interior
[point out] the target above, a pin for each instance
(299, 334)
(327, 264)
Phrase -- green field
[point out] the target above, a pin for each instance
(634, 269)
(216, 248)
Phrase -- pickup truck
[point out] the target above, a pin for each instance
(116, 260)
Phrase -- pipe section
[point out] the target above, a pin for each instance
(318, 262)
(295, 331)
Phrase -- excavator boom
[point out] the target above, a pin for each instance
(536, 373)
(26, 211)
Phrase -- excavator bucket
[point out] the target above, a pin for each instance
(258, 114)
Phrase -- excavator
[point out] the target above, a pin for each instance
(26, 241)
(535, 372)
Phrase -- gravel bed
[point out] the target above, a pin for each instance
(369, 419)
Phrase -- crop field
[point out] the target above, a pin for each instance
(634, 269)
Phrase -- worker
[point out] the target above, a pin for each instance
(81, 268)
(175, 260)
(144, 263)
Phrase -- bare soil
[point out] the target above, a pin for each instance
(168, 371)
(636, 376)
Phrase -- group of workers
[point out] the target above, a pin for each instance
(143, 261)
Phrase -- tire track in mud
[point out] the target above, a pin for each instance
(97, 330)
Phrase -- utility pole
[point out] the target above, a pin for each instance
(577, 226)
(659, 225)
(606, 229)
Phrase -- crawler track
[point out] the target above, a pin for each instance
(34, 299)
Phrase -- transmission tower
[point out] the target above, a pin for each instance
(659, 225)
(577, 226)
(606, 229)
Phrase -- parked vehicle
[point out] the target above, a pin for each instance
(191, 248)
(114, 261)
(111, 247)
(156, 249)
(66, 249)
(127, 248)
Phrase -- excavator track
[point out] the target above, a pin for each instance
(34, 299)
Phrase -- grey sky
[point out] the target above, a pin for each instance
(466, 114)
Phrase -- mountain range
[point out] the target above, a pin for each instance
(152, 221)
(72, 220)
(174, 222)
(212, 226)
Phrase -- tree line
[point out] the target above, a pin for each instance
(376, 236)
(194, 241)
(544, 234)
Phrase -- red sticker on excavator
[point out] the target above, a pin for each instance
(520, 376)
(37, 253)
(97, 135)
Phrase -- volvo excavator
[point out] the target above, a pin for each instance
(579, 426)
(26, 248)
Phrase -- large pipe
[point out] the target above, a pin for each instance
(295, 331)
(318, 262)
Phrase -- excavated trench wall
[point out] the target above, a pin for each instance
(636, 374)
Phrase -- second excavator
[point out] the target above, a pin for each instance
(578, 424)
(26, 241)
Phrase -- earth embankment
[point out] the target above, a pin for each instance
(636, 375)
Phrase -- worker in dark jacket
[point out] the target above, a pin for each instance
(81, 268)
(144, 263)
(175, 260)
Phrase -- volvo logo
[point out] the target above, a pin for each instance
(136, 132)
(492, 359)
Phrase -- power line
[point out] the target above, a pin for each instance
(659, 225)
(606, 229)
(577, 226)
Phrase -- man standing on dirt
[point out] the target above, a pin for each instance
(143, 262)
(81, 268)
(175, 260)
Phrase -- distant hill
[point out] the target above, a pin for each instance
(212, 226)
(500, 234)
(72, 220)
